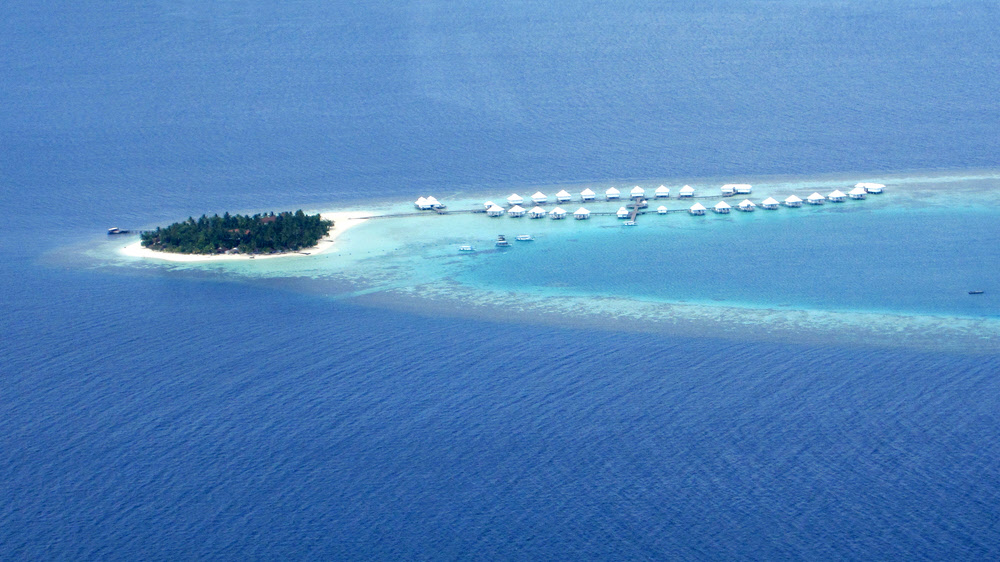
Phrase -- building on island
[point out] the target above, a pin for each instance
(515, 199)
(857, 193)
(581, 214)
(516, 211)
(563, 196)
(612, 193)
(538, 198)
(495, 211)
(637, 192)
(557, 213)
(662, 191)
(793, 201)
(537, 213)
(662, 209)
(686, 191)
(722, 208)
(747, 206)
(770, 204)
(836, 196)
(815, 199)
(587, 194)
(697, 209)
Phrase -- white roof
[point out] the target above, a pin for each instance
(687, 189)
(663, 189)
(864, 185)
(612, 191)
(747, 203)
(836, 193)
(514, 197)
(421, 201)
(697, 207)
(622, 210)
(432, 200)
(638, 190)
(563, 193)
(815, 196)
(516, 209)
(558, 211)
(661, 208)
(581, 211)
(792, 199)
(538, 195)
(769, 201)
(495, 208)
(536, 210)
(587, 191)
(723, 205)
(857, 190)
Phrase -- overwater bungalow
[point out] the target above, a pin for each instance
(637, 192)
(686, 191)
(662, 210)
(747, 206)
(743, 188)
(793, 201)
(515, 199)
(587, 194)
(728, 190)
(434, 203)
(770, 204)
(612, 193)
(836, 196)
(857, 193)
(623, 213)
(871, 187)
(421, 203)
(581, 214)
(697, 209)
(557, 213)
(537, 213)
(488, 204)
(662, 191)
(495, 211)
(815, 199)
(563, 196)
(539, 198)
(722, 208)
(516, 211)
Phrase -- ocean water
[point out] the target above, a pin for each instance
(811, 383)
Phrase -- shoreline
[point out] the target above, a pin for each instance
(343, 221)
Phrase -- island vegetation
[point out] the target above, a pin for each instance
(257, 234)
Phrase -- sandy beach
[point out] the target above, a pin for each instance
(343, 221)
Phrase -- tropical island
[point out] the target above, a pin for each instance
(240, 234)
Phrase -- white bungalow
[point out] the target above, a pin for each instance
(871, 187)
(661, 210)
(495, 211)
(836, 196)
(747, 206)
(743, 188)
(612, 193)
(557, 213)
(770, 203)
(793, 201)
(637, 192)
(432, 202)
(587, 194)
(815, 199)
(581, 214)
(515, 199)
(539, 198)
(537, 213)
(623, 213)
(728, 190)
(697, 209)
(421, 203)
(488, 204)
(722, 208)
(563, 196)
(516, 211)
(686, 191)
(662, 191)
(857, 193)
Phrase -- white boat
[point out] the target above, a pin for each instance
(524, 238)
(628, 223)
(466, 248)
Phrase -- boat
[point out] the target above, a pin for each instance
(502, 241)
(628, 223)
(116, 230)
(524, 238)
(976, 292)
(466, 248)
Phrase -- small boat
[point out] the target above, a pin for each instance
(116, 230)
(502, 241)
(976, 292)
(628, 223)
(466, 248)
(524, 238)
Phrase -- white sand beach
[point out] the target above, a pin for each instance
(342, 222)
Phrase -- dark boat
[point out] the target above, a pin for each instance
(502, 241)
(976, 292)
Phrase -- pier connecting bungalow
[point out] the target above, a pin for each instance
(516, 211)
(793, 201)
(722, 208)
(686, 191)
(662, 191)
(747, 206)
(557, 213)
(836, 196)
(612, 193)
(514, 199)
(495, 211)
(815, 199)
(770, 204)
(563, 196)
(581, 214)
(587, 195)
(857, 193)
(697, 209)
(539, 198)
(537, 213)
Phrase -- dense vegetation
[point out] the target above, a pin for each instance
(259, 234)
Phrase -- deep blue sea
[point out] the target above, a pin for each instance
(168, 413)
